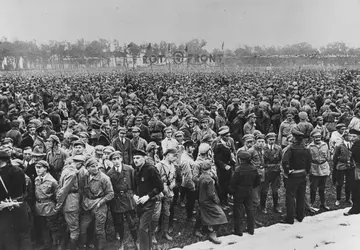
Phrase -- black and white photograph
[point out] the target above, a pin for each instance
(179, 124)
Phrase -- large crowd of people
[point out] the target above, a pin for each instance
(79, 149)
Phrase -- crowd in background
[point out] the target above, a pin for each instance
(141, 145)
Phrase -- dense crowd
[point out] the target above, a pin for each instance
(78, 149)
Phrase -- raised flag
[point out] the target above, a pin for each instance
(222, 46)
(186, 48)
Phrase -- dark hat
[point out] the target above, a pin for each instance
(116, 153)
(4, 154)
(79, 142)
(188, 143)
(296, 132)
(40, 129)
(7, 140)
(244, 155)
(139, 152)
(170, 151)
(354, 132)
(43, 163)
(73, 137)
(96, 124)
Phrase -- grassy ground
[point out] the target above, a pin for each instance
(182, 231)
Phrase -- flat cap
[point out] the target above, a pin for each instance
(109, 149)
(244, 155)
(91, 162)
(79, 143)
(42, 163)
(151, 145)
(315, 133)
(135, 129)
(296, 132)
(224, 130)
(340, 126)
(170, 151)
(271, 135)
(179, 133)
(303, 115)
(4, 154)
(114, 154)
(54, 138)
(79, 158)
(168, 129)
(188, 143)
(248, 137)
(139, 152)
(203, 148)
(260, 137)
(251, 115)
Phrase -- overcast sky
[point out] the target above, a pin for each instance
(253, 22)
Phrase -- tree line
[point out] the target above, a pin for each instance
(83, 51)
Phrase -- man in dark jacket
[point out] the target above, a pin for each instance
(123, 205)
(147, 185)
(355, 150)
(123, 144)
(241, 186)
(13, 211)
(296, 164)
(224, 156)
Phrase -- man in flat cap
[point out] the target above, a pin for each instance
(96, 190)
(285, 129)
(167, 173)
(305, 126)
(337, 137)
(137, 142)
(169, 141)
(56, 156)
(242, 183)
(224, 156)
(248, 140)
(320, 168)
(45, 206)
(343, 168)
(296, 164)
(123, 144)
(249, 126)
(187, 185)
(148, 184)
(205, 131)
(144, 130)
(272, 162)
(123, 205)
(89, 150)
(68, 198)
